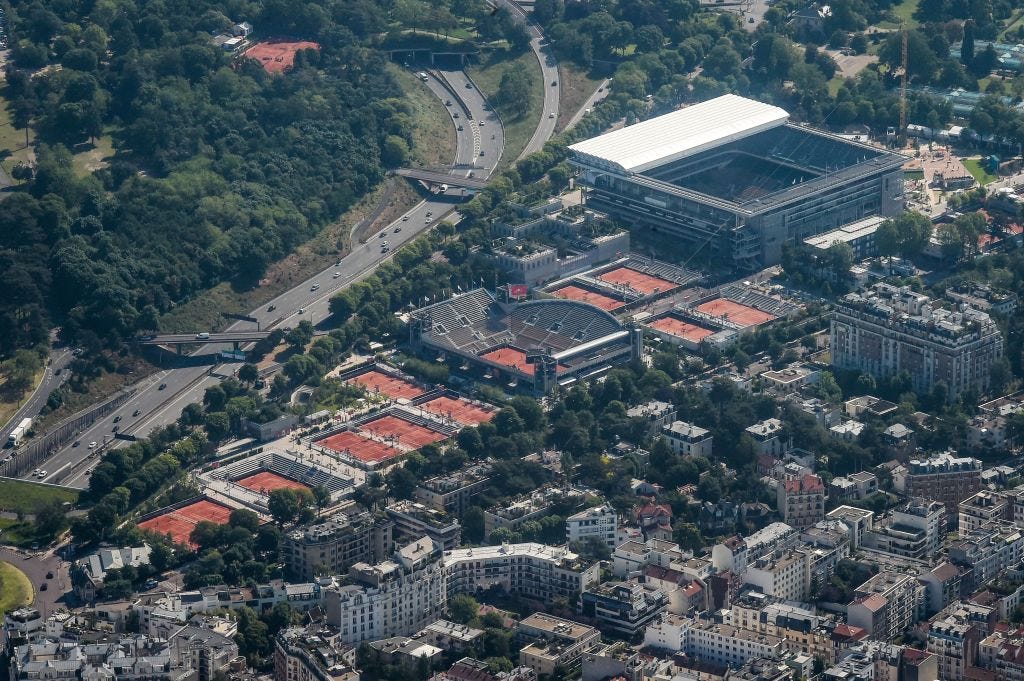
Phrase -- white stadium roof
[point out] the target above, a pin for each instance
(679, 134)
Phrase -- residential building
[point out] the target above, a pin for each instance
(536, 571)
(687, 439)
(770, 437)
(859, 236)
(454, 492)
(529, 507)
(802, 501)
(633, 556)
(413, 520)
(314, 653)
(717, 519)
(450, 635)
(857, 521)
(801, 630)
(982, 509)
(611, 661)
(941, 586)
(887, 330)
(791, 379)
(91, 570)
(913, 530)
(712, 642)
(899, 439)
(945, 478)
(623, 608)
(406, 653)
(654, 521)
(886, 605)
(847, 431)
(599, 523)
(736, 553)
(656, 414)
(785, 575)
(853, 487)
(868, 405)
(954, 641)
(685, 593)
(333, 545)
(987, 551)
(999, 654)
(554, 642)
(21, 626)
(470, 669)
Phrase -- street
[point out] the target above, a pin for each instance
(36, 568)
(53, 376)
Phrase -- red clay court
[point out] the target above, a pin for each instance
(735, 312)
(644, 283)
(379, 382)
(406, 433)
(278, 55)
(513, 358)
(461, 411)
(180, 522)
(268, 481)
(359, 447)
(600, 300)
(681, 329)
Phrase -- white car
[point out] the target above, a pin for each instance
(42, 474)
(92, 445)
(551, 115)
(314, 287)
(336, 275)
(36, 472)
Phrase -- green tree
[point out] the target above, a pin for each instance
(463, 608)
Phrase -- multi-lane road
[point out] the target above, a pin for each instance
(54, 374)
(161, 398)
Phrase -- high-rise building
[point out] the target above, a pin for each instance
(945, 477)
(802, 501)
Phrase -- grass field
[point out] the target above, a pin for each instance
(973, 166)
(15, 589)
(12, 140)
(89, 158)
(433, 131)
(904, 12)
(11, 401)
(1015, 18)
(575, 87)
(16, 532)
(27, 497)
(518, 131)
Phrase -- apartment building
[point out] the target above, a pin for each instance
(944, 477)
(687, 439)
(529, 507)
(712, 642)
(983, 508)
(857, 522)
(770, 438)
(454, 492)
(413, 520)
(853, 487)
(736, 553)
(554, 642)
(887, 330)
(600, 523)
(913, 530)
(655, 413)
(623, 608)
(785, 575)
(987, 551)
(533, 570)
(801, 501)
(954, 642)
(886, 605)
(313, 653)
(332, 546)
(1001, 654)
(800, 629)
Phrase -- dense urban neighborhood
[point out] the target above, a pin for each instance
(512, 340)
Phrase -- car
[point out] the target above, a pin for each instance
(42, 474)
(203, 336)
(455, 114)
(384, 243)
(447, 102)
(314, 287)
(117, 419)
(600, 89)
(336, 275)
(76, 443)
(36, 471)
(469, 86)
(398, 229)
(271, 308)
(302, 310)
(428, 219)
(385, 232)
(404, 218)
(162, 386)
(551, 115)
(116, 428)
(480, 123)
(554, 83)
(750, 20)
(385, 249)
(460, 128)
(429, 213)
(49, 575)
(92, 445)
(481, 152)
(136, 412)
(44, 586)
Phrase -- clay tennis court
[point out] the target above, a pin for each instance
(268, 481)
(278, 55)
(405, 432)
(644, 283)
(358, 447)
(681, 329)
(600, 300)
(180, 522)
(379, 382)
(735, 312)
(461, 411)
(513, 358)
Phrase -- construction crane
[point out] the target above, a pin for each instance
(902, 135)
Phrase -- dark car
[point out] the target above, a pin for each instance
(117, 419)
(136, 412)
(76, 443)
(116, 428)
(49, 575)
(44, 586)
(162, 386)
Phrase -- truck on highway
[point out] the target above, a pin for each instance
(19, 432)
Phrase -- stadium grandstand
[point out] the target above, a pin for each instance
(531, 346)
(734, 175)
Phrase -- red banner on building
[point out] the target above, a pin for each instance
(518, 290)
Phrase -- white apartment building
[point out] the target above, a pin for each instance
(599, 522)
(736, 553)
(719, 644)
(786, 576)
(981, 509)
(686, 439)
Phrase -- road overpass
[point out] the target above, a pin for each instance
(435, 177)
(193, 339)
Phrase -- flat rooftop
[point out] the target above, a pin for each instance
(679, 134)
(847, 233)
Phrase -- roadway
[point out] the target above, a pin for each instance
(549, 74)
(191, 338)
(160, 406)
(54, 374)
(598, 94)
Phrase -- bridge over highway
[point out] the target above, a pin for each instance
(225, 337)
(436, 177)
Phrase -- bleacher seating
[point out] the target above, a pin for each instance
(757, 300)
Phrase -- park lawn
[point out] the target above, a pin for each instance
(904, 13)
(16, 532)
(12, 140)
(973, 166)
(834, 84)
(21, 496)
(433, 134)
(487, 77)
(90, 157)
(15, 588)
(574, 88)
(1015, 18)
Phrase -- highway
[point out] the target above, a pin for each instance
(598, 94)
(162, 406)
(549, 74)
(191, 338)
(55, 374)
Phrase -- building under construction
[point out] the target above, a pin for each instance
(735, 177)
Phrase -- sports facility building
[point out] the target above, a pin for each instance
(733, 175)
(532, 345)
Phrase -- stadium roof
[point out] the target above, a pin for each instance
(679, 134)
